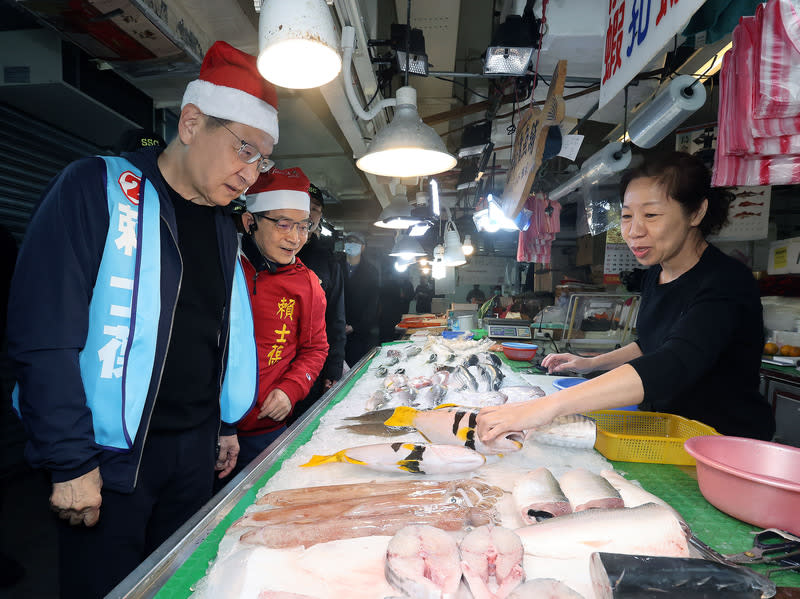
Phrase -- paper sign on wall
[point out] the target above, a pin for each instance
(637, 30)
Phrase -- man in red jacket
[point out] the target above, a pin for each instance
(288, 305)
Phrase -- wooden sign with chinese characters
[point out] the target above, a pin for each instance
(526, 157)
(637, 30)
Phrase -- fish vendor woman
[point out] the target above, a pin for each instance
(700, 323)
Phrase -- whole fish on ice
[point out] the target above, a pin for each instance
(492, 552)
(574, 430)
(423, 562)
(518, 393)
(473, 399)
(616, 575)
(649, 529)
(587, 490)
(306, 534)
(416, 458)
(453, 426)
(474, 490)
(538, 496)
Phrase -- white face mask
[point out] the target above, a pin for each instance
(352, 249)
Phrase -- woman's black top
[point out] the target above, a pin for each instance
(702, 336)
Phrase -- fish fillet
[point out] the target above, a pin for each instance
(544, 588)
(306, 534)
(633, 495)
(587, 490)
(423, 562)
(647, 530)
(492, 552)
(538, 496)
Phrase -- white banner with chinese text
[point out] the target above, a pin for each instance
(637, 30)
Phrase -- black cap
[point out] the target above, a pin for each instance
(315, 193)
(137, 139)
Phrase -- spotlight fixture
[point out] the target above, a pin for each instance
(492, 219)
(512, 46)
(297, 44)
(409, 47)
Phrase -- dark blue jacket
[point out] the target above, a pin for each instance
(49, 312)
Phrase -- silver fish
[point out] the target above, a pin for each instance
(462, 379)
(431, 359)
(497, 375)
(381, 370)
(429, 397)
(413, 351)
(392, 361)
(377, 399)
(482, 377)
(573, 430)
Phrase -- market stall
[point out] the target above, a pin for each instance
(178, 568)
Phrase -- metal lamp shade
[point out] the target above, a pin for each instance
(397, 215)
(406, 147)
(407, 247)
(297, 43)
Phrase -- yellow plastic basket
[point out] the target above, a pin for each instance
(652, 437)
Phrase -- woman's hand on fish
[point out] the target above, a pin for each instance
(277, 406)
(561, 362)
(496, 420)
(228, 454)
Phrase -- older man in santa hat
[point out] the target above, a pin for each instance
(288, 305)
(127, 297)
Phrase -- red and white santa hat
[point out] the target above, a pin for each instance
(231, 88)
(279, 189)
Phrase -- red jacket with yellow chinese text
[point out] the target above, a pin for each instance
(289, 318)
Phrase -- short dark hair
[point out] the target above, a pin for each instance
(214, 122)
(687, 180)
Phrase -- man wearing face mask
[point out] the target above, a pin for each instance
(360, 300)
(288, 306)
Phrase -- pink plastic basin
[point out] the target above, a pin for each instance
(757, 482)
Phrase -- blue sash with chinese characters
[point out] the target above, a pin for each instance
(117, 360)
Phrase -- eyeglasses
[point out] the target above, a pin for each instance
(248, 153)
(285, 225)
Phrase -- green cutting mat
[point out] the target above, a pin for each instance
(723, 533)
(716, 529)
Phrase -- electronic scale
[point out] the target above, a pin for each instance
(507, 328)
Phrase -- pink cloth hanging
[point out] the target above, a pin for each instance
(778, 76)
(535, 244)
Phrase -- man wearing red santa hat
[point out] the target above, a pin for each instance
(288, 305)
(130, 329)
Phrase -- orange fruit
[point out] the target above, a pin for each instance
(794, 352)
(786, 350)
(770, 349)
